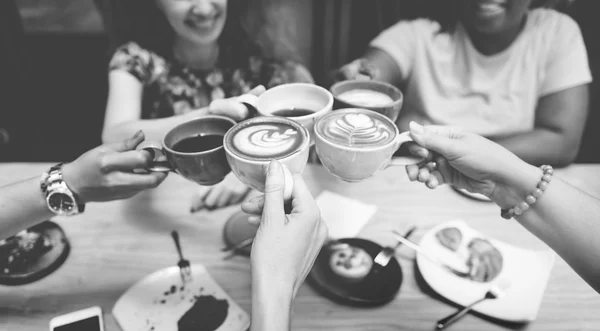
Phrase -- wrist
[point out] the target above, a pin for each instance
(69, 174)
(271, 303)
(516, 184)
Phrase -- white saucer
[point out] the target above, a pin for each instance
(160, 300)
(527, 272)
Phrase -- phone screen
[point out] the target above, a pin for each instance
(88, 324)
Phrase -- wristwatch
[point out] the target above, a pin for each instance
(59, 197)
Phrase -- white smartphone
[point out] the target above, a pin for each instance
(89, 319)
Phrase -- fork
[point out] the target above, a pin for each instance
(184, 265)
(418, 249)
(383, 258)
(496, 291)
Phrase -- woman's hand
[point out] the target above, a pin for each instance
(233, 107)
(107, 172)
(285, 246)
(468, 161)
(230, 191)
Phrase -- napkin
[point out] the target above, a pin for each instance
(345, 217)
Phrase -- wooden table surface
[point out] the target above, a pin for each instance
(115, 244)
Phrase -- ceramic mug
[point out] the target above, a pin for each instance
(377, 96)
(353, 144)
(205, 165)
(303, 103)
(252, 144)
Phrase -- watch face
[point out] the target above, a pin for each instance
(61, 202)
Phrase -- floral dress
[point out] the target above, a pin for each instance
(171, 88)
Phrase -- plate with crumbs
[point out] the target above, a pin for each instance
(491, 262)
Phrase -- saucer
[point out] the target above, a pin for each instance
(47, 262)
(379, 287)
(237, 229)
(474, 196)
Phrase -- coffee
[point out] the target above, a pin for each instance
(252, 144)
(198, 143)
(265, 140)
(356, 129)
(366, 98)
(293, 112)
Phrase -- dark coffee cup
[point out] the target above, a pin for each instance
(386, 99)
(193, 149)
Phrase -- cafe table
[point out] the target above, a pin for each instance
(115, 244)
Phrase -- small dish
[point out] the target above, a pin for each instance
(162, 302)
(527, 270)
(379, 287)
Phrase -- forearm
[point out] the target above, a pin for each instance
(540, 146)
(21, 205)
(271, 305)
(154, 129)
(566, 219)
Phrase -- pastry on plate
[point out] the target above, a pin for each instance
(485, 260)
(450, 238)
(351, 263)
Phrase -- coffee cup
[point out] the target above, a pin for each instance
(252, 144)
(377, 96)
(303, 103)
(353, 144)
(193, 149)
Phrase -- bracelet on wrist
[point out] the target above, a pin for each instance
(533, 197)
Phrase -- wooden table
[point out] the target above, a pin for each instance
(115, 244)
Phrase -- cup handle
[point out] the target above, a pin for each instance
(159, 159)
(402, 138)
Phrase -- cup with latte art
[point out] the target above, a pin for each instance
(377, 96)
(303, 103)
(252, 144)
(353, 143)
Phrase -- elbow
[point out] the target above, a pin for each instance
(567, 154)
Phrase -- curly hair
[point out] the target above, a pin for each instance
(143, 22)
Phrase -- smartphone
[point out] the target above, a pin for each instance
(89, 319)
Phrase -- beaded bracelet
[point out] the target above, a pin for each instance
(531, 198)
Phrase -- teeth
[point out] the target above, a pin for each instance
(490, 8)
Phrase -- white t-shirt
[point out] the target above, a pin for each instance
(450, 83)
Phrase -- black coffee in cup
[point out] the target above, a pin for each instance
(198, 143)
(293, 112)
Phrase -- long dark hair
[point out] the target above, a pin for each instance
(445, 12)
(143, 22)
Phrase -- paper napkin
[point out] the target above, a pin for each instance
(345, 217)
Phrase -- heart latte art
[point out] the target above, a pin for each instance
(356, 130)
(266, 140)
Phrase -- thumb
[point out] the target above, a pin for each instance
(128, 144)
(438, 141)
(257, 91)
(274, 187)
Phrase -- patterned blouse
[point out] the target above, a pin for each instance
(171, 88)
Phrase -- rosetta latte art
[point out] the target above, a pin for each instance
(267, 140)
(357, 130)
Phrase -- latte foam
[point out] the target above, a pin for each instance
(366, 98)
(266, 140)
(356, 129)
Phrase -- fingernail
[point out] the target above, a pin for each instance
(422, 153)
(254, 219)
(416, 127)
(137, 134)
(274, 167)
